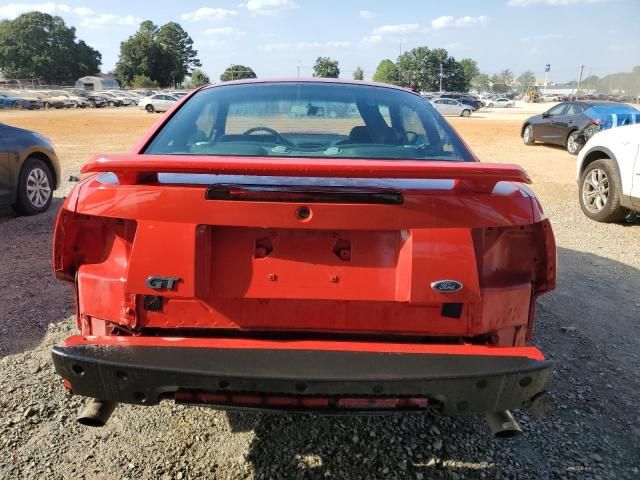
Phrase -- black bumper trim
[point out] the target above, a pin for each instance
(455, 383)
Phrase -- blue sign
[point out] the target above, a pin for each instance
(547, 67)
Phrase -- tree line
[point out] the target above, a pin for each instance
(37, 45)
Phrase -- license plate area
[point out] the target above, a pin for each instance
(303, 263)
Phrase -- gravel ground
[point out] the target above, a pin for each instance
(589, 327)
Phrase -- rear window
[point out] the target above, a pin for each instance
(307, 119)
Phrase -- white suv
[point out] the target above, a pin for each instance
(609, 174)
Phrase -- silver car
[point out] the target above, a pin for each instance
(160, 102)
(448, 106)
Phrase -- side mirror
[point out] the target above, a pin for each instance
(545, 114)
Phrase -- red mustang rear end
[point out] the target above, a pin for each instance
(305, 245)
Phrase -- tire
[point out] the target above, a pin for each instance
(92, 104)
(16, 106)
(490, 105)
(465, 113)
(111, 104)
(74, 104)
(47, 105)
(35, 187)
(573, 143)
(527, 135)
(150, 108)
(600, 190)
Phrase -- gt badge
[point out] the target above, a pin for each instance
(161, 283)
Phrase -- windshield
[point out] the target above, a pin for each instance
(306, 119)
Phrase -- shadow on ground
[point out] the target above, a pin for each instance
(31, 296)
(589, 327)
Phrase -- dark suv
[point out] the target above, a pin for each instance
(464, 99)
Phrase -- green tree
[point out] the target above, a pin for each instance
(525, 80)
(179, 55)
(39, 46)
(358, 74)
(481, 82)
(325, 67)
(469, 69)
(506, 77)
(420, 70)
(164, 54)
(387, 72)
(237, 72)
(142, 81)
(199, 77)
(498, 84)
(139, 55)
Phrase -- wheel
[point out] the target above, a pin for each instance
(92, 104)
(466, 113)
(112, 104)
(527, 135)
(600, 190)
(16, 106)
(573, 143)
(47, 105)
(35, 187)
(74, 104)
(490, 105)
(149, 108)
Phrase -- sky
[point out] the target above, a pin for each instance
(281, 38)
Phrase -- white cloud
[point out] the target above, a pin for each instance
(207, 14)
(89, 18)
(269, 7)
(448, 21)
(371, 40)
(275, 47)
(109, 19)
(399, 29)
(550, 3)
(12, 10)
(368, 14)
(224, 32)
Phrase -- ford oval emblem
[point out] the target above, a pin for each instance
(447, 286)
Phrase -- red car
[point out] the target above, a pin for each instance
(305, 245)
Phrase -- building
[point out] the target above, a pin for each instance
(97, 83)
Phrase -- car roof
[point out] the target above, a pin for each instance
(309, 80)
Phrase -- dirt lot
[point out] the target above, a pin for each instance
(589, 326)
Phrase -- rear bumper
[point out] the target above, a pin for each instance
(294, 375)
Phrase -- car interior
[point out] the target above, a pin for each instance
(309, 120)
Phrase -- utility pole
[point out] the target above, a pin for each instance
(589, 82)
(580, 78)
(441, 78)
(298, 71)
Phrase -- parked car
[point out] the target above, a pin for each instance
(330, 238)
(501, 103)
(112, 100)
(66, 99)
(127, 98)
(77, 100)
(563, 124)
(157, 103)
(608, 173)
(29, 170)
(16, 103)
(474, 103)
(97, 101)
(51, 101)
(448, 106)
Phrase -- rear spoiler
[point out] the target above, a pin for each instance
(131, 169)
